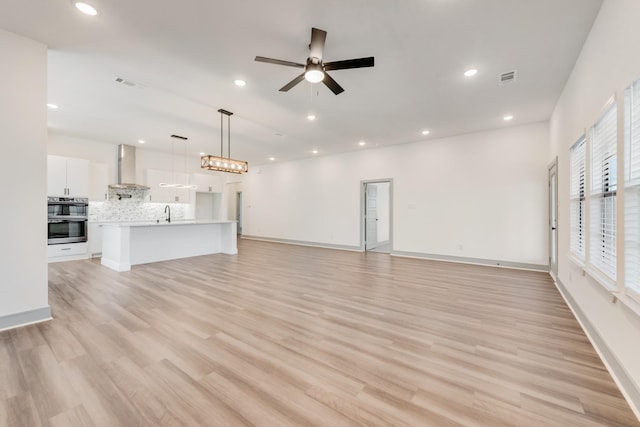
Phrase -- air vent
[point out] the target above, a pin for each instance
(184, 138)
(125, 82)
(508, 77)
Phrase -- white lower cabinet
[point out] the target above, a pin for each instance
(95, 240)
(67, 251)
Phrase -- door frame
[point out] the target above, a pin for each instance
(552, 212)
(239, 213)
(363, 212)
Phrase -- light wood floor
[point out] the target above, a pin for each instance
(291, 336)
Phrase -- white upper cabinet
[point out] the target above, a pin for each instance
(56, 176)
(67, 176)
(98, 181)
(207, 183)
(159, 193)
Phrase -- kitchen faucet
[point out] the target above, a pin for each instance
(168, 208)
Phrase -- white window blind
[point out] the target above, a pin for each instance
(577, 156)
(604, 182)
(632, 189)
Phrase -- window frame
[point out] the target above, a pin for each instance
(631, 189)
(602, 259)
(578, 201)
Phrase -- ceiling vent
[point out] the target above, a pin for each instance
(508, 77)
(125, 82)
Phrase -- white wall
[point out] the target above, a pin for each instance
(208, 205)
(23, 120)
(481, 195)
(608, 63)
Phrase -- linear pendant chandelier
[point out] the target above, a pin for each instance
(173, 172)
(221, 163)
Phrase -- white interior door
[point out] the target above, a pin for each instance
(553, 219)
(371, 216)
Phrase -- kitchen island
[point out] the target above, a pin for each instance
(130, 243)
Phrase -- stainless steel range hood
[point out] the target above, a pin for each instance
(127, 169)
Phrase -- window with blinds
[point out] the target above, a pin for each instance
(604, 185)
(632, 189)
(577, 158)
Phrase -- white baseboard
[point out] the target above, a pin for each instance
(25, 318)
(303, 243)
(474, 261)
(625, 382)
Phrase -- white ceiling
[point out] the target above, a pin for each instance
(184, 56)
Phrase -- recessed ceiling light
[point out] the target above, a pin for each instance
(203, 154)
(85, 8)
(362, 143)
(311, 117)
(470, 73)
(240, 83)
(425, 132)
(507, 118)
(315, 151)
(141, 141)
(53, 106)
(272, 158)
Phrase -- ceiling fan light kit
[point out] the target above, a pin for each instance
(221, 163)
(315, 70)
(314, 73)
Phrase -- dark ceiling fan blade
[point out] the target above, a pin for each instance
(332, 84)
(349, 63)
(316, 47)
(292, 83)
(279, 62)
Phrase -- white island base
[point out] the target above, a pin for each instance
(127, 244)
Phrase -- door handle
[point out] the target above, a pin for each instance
(553, 228)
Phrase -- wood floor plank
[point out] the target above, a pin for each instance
(189, 400)
(48, 386)
(100, 397)
(282, 335)
(76, 417)
(19, 411)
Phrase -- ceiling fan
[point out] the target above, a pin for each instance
(315, 70)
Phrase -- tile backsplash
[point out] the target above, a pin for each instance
(134, 210)
(127, 194)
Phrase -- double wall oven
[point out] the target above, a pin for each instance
(67, 220)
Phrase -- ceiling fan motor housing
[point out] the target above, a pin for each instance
(315, 70)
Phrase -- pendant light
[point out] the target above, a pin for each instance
(221, 163)
(175, 184)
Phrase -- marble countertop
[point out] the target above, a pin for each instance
(158, 223)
